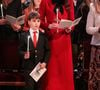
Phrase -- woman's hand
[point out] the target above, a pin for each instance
(3, 21)
(68, 30)
(53, 26)
(16, 26)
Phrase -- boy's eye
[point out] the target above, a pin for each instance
(38, 20)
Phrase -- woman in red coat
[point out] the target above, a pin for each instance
(60, 67)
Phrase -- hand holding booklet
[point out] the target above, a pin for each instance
(12, 19)
(37, 72)
(68, 23)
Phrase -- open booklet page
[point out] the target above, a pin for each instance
(68, 23)
(37, 73)
(12, 19)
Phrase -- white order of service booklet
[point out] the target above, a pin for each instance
(12, 19)
(37, 73)
(68, 23)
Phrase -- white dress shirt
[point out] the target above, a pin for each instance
(93, 25)
(31, 33)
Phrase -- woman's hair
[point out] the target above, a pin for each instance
(88, 2)
(32, 5)
(83, 4)
(32, 2)
(59, 4)
(97, 5)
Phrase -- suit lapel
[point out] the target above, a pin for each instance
(31, 42)
(39, 39)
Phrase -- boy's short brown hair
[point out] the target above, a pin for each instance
(34, 15)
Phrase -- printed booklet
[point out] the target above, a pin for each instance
(12, 19)
(37, 73)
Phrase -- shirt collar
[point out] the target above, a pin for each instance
(31, 30)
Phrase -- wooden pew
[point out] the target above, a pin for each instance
(11, 79)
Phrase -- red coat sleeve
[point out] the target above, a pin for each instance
(26, 26)
(42, 12)
(71, 11)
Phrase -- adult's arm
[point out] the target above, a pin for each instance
(90, 26)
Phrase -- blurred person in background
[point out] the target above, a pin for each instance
(93, 28)
(33, 6)
(82, 39)
(9, 33)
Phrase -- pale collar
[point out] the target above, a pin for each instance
(31, 30)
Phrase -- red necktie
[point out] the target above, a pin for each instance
(34, 39)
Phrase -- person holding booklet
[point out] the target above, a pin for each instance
(9, 58)
(33, 49)
(14, 12)
(60, 67)
(81, 40)
(7, 7)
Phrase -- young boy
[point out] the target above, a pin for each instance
(34, 48)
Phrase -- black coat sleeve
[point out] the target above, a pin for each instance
(14, 8)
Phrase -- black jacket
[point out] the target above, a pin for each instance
(39, 54)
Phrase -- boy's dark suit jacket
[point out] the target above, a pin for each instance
(39, 54)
